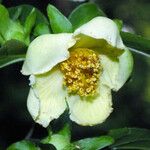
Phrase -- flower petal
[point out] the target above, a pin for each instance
(33, 104)
(102, 28)
(116, 71)
(125, 68)
(49, 90)
(110, 71)
(91, 111)
(46, 51)
(99, 45)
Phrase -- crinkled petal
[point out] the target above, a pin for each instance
(125, 68)
(116, 71)
(101, 34)
(110, 71)
(46, 51)
(49, 90)
(102, 28)
(99, 45)
(91, 111)
(33, 104)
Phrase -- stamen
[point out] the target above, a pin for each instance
(82, 72)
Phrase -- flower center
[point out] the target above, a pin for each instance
(82, 71)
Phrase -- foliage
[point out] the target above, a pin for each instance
(59, 23)
(11, 52)
(84, 13)
(22, 19)
(130, 138)
(23, 145)
(123, 138)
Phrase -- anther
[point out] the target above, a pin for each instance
(81, 72)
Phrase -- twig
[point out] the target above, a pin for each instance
(29, 134)
(139, 52)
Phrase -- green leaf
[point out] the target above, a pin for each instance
(46, 146)
(95, 143)
(59, 23)
(65, 131)
(11, 52)
(41, 29)
(15, 13)
(30, 17)
(71, 147)
(135, 41)
(61, 139)
(30, 22)
(4, 20)
(9, 29)
(23, 12)
(118, 133)
(23, 145)
(1, 40)
(140, 145)
(84, 13)
(130, 137)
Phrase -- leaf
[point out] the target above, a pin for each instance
(5, 61)
(15, 13)
(9, 29)
(70, 147)
(129, 137)
(59, 23)
(140, 145)
(23, 145)
(61, 139)
(41, 29)
(30, 22)
(4, 20)
(1, 40)
(30, 17)
(118, 133)
(23, 12)
(65, 131)
(84, 13)
(136, 42)
(27, 13)
(11, 52)
(95, 143)
(46, 146)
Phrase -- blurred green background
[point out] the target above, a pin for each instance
(131, 103)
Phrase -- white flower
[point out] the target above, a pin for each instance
(77, 70)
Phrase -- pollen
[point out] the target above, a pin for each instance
(82, 72)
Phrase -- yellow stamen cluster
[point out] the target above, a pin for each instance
(82, 72)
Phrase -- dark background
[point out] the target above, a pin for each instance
(131, 103)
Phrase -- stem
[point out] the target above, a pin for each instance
(29, 134)
(139, 52)
(49, 130)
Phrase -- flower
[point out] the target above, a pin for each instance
(77, 70)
